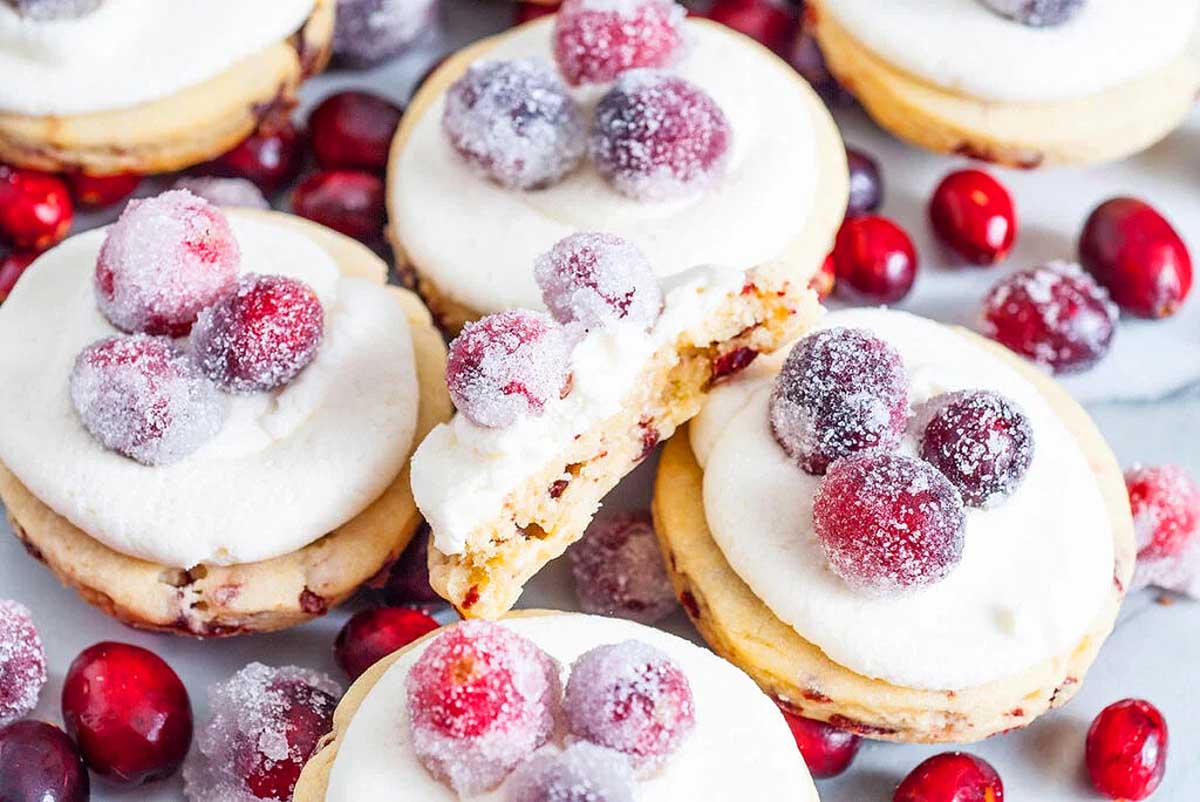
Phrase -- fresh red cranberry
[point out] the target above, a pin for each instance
(526, 11)
(1166, 509)
(827, 750)
(770, 23)
(346, 201)
(874, 259)
(128, 712)
(35, 209)
(1054, 314)
(951, 777)
(825, 279)
(12, 267)
(973, 214)
(353, 131)
(598, 279)
(373, 634)
(889, 523)
(866, 183)
(270, 157)
(595, 41)
(304, 714)
(407, 582)
(1137, 256)
(1127, 750)
(40, 764)
(98, 191)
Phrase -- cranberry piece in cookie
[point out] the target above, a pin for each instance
(595, 279)
(375, 633)
(874, 260)
(1166, 509)
(1127, 750)
(41, 764)
(951, 777)
(597, 40)
(974, 215)
(583, 772)
(22, 662)
(35, 208)
(827, 750)
(619, 571)
(1036, 13)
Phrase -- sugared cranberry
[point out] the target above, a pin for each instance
(353, 131)
(22, 663)
(874, 259)
(369, 32)
(597, 40)
(35, 209)
(1127, 750)
(582, 772)
(981, 442)
(619, 571)
(1037, 13)
(825, 279)
(526, 11)
(1054, 314)
(480, 699)
(632, 698)
(840, 391)
(889, 523)
(1166, 509)
(597, 279)
(866, 183)
(344, 200)
(270, 157)
(128, 712)
(12, 267)
(507, 366)
(224, 191)
(1137, 256)
(373, 634)
(951, 777)
(98, 191)
(973, 214)
(40, 764)
(143, 397)
(770, 23)
(45, 10)
(827, 750)
(655, 136)
(407, 582)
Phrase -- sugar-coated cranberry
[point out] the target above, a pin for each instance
(981, 441)
(597, 40)
(874, 259)
(375, 633)
(353, 131)
(507, 366)
(889, 523)
(1037, 13)
(655, 136)
(270, 157)
(827, 750)
(45, 10)
(370, 32)
(596, 279)
(224, 191)
(1166, 509)
(840, 391)
(1137, 256)
(825, 279)
(951, 777)
(347, 201)
(40, 764)
(407, 582)
(1127, 750)
(973, 214)
(1054, 314)
(35, 208)
(866, 183)
(630, 697)
(770, 23)
(145, 398)
(480, 699)
(618, 570)
(22, 663)
(527, 11)
(98, 191)
(12, 267)
(583, 772)
(128, 712)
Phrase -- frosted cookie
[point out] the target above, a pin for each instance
(702, 730)
(217, 417)
(899, 528)
(141, 86)
(619, 117)
(553, 411)
(1021, 84)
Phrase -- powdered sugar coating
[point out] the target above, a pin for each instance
(22, 662)
(165, 259)
(480, 699)
(1036, 13)
(44, 10)
(656, 137)
(224, 191)
(143, 397)
(619, 571)
(583, 772)
(840, 391)
(595, 279)
(1166, 522)
(597, 40)
(515, 123)
(372, 31)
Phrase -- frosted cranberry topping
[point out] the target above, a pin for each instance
(655, 136)
(163, 261)
(1127, 750)
(1166, 509)
(1036, 13)
(951, 777)
(260, 336)
(515, 123)
(840, 391)
(619, 571)
(889, 523)
(597, 40)
(632, 698)
(43, 10)
(583, 772)
(143, 397)
(596, 279)
(22, 662)
(480, 699)
(981, 442)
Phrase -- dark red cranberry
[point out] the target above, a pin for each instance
(973, 214)
(866, 183)
(39, 763)
(353, 131)
(344, 200)
(808, 60)
(98, 191)
(12, 267)
(874, 259)
(408, 581)
(1137, 256)
(374, 634)
(825, 279)
(128, 712)
(526, 11)
(951, 777)
(35, 209)
(770, 23)
(270, 157)
(1127, 750)
(827, 750)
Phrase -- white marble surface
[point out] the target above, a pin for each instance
(1146, 398)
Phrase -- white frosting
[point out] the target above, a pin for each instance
(128, 52)
(286, 468)
(962, 46)
(462, 472)
(1035, 570)
(739, 749)
(478, 241)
